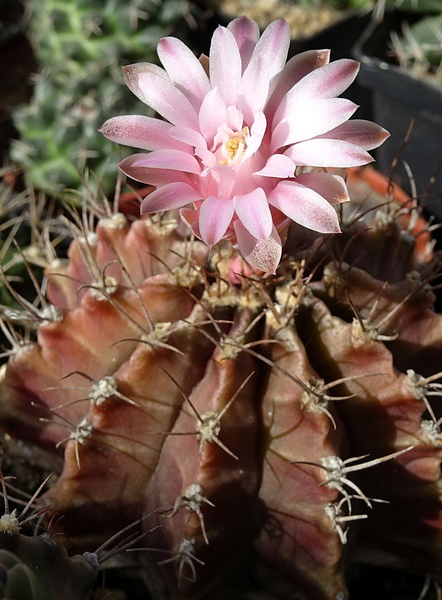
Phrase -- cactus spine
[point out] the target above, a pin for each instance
(261, 424)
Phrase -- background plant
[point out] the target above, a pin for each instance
(418, 47)
(81, 46)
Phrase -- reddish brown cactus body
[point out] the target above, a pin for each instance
(256, 421)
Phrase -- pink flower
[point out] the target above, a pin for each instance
(239, 130)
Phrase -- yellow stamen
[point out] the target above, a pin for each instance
(233, 145)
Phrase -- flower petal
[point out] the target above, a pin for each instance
(184, 69)
(246, 33)
(328, 153)
(154, 87)
(169, 159)
(167, 197)
(253, 211)
(362, 133)
(212, 105)
(278, 165)
(132, 74)
(263, 255)
(257, 132)
(295, 69)
(149, 175)
(267, 60)
(327, 82)
(225, 64)
(187, 136)
(304, 206)
(331, 187)
(190, 216)
(311, 119)
(140, 132)
(215, 217)
(221, 180)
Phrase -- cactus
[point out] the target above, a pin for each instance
(80, 46)
(38, 567)
(272, 430)
(20, 214)
(35, 566)
(418, 47)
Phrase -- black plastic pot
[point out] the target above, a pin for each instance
(399, 100)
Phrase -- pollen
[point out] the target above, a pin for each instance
(233, 145)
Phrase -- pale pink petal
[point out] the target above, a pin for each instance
(204, 60)
(327, 82)
(304, 206)
(150, 175)
(223, 179)
(331, 187)
(253, 211)
(140, 132)
(296, 68)
(245, 179)
(184, 69)
(311, 119)
(187, 136)
(328, 153)
(154, 87)
(362, 133)
(132, 73)
(234, 118)
(257, 132)
(267, 60)
(225, 65)
(278, 165)
(246, 33)
(190, 216)
(215, 217)
(172, 195)
(212, 105)
(208, 159)
(263, 255)
(169, 159)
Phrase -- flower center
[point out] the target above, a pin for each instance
(233, 147)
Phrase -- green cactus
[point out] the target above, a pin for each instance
(36, 566)
(80, 46)
(418, 47)
(20, 216)
(39, 568)
(272, 430)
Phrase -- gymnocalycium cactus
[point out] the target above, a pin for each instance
(253, 418)
(260, 423)
(81, 46)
